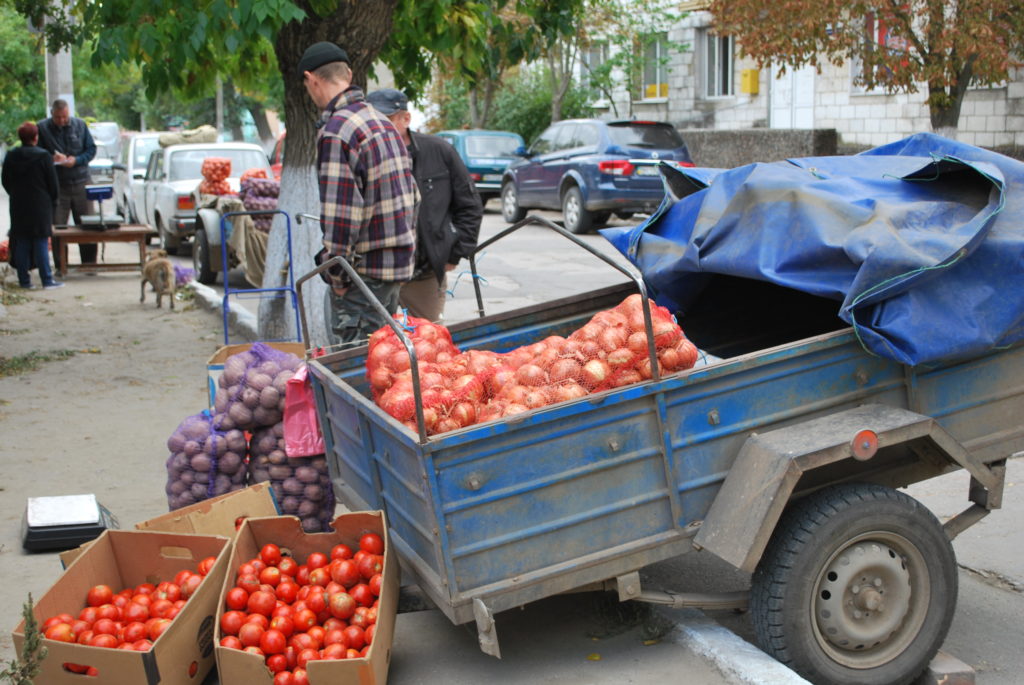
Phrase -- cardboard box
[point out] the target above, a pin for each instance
(124, 558)
(215, 516)
(235, 666)
(215, 365)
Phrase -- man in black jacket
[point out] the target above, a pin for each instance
(450, 209)
(68, 139)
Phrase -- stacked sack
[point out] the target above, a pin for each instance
(258, 194)
(210, 455)
(215, 171)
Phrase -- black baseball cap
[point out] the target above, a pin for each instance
(319, 54)
(387, 101)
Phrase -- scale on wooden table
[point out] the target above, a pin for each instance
(63, 522)
(101, 221)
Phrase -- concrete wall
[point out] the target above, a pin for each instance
(726, 149)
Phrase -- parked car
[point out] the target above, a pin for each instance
(107, 136)
(128, 182)
(172, 175)
(486, 154)
(590, 168)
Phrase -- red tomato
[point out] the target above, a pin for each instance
(301, 641)
(368, 633)
(84, 637)
(254, 650)
(59, 618)
(273, 642)
(341, 552)
(302, 575)
(166, 590)
(262, 602)
(299, 677)
(305, 656)
(231, 621)
(362, 594)
(320, 576)
(108, 611)
(160, 608)
(75, 668)
(231, 642)
(104, 640)
(360, 617)
(88, 614)
(191, 585)
(236, 598)
(135, 612)
(345, 572)
(357, 557)
(271, 575)
(99, 594)
(155, 627)
(270, 554)
(371, 565)
(283, 625)
(288, 566)
(286, 591)
(316, 560)
(246, 569)
(257, 565)
(283, 609)
(181, 576)
(372, 543)
(136, 630)
(284, 678)
(354, 637)
(259, 619)
(277, 663)
(142, 645)
(144, 588)
(121, 600)
(376, 580)
(105, 625)
(250, 634)
(249, 582)
(317, 600)
(333, 651)
(317, 633)
(342, 605)
(334, 636)
(353, 653)
(145, 599)
(206, 564)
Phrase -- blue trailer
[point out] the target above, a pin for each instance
(782, 457)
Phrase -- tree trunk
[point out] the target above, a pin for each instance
(233, 121)
(259, 115)
(362, 29)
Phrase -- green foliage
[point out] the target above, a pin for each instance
(22, 69)
(521, 105)
(27, 667)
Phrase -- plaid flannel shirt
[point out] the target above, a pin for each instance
(368, 196)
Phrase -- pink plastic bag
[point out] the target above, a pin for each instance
(302, 436)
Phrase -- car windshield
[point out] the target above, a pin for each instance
(187, 164)
(144, 146)
(105, 133)
(661, 136)
(491, 146)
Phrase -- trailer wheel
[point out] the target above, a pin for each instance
(858, 586)
(201, 258)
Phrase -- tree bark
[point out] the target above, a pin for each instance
(259, 115)
(361, 28)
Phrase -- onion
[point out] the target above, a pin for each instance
(565, 369)
(535, 398)
(620, 358)
(595, 372)
(669, 359)
(499, 379)
(513, 393)
(379, 354)
(425, 351)
(447, 424)
(531, 374)
(627, 377)
(464, 414)
(666, 333)
(637, 342)
(468, 388)
(590, 350)
(430, 332)
(563, 392)
(612, 338)
(513, 409)
(399, 361)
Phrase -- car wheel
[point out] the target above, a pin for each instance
(857, 587)
(624, 215)
(167, 243)
(575, 216)
(201, 258)
(510, 209)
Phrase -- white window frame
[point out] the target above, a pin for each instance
(719, 68)
(658, 61)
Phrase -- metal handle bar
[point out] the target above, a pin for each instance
(372, 299)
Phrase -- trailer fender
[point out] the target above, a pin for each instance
(769, 465)
(209, 220)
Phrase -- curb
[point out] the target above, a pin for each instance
(242, 322)
(734, 657)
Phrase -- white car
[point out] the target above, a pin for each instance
(171, 179)
(128, 182)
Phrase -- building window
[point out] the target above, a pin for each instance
(870, 77)
(718, 66)
(594, 57)
(655, 70)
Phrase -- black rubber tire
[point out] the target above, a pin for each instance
(575, 216)
(201, 258)
(511, 212)
(165, 240)
(797, 571)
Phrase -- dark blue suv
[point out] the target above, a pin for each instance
(590, 168)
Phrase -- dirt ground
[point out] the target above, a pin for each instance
(96, 416)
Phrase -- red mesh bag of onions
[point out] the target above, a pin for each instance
(302, 485)
(387, 358)
(609, 351)
(251, 390)
(204, 461)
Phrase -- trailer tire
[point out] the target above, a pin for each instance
(201, 258)
(858, 586)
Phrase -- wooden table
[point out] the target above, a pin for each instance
(126, 233)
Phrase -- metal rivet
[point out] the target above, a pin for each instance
(614, 445)
(713, 418)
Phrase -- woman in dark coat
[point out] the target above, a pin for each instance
(30, 180)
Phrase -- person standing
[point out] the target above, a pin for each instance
(30, 180)
(368, 197)
(450, 210)
(68, 139)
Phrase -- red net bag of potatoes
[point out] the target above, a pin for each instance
(216, 168)
(204, 462)
(251, 390)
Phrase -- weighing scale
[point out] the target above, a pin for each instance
(64, 522)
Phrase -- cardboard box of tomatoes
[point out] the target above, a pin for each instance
(181, 651)
(338, 588)
(221, 515)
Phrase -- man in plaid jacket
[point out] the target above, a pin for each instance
(368, 196)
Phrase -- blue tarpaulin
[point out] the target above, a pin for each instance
(920, 241)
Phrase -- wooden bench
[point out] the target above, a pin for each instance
(126, 233)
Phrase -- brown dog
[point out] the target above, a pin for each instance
(158, 272)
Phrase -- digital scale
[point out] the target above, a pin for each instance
(64, 522)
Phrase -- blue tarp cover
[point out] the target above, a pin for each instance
(921, 241)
